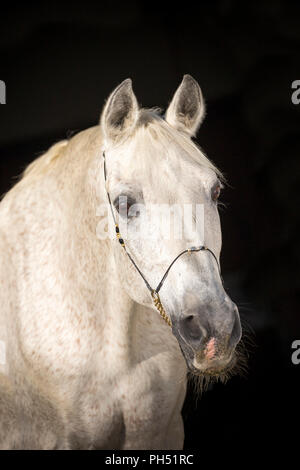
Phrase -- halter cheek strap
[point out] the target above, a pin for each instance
(154, 292)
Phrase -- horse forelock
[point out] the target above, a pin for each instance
(153, 139)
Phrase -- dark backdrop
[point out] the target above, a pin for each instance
(60, 62)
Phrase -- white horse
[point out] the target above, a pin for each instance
(87, 361)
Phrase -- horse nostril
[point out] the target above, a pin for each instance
(191, 328)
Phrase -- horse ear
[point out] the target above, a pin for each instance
(120, 112)
(187, 108)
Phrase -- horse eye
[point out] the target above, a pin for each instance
(123, 203)
(215, 192)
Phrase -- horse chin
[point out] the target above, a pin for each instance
(213, 368)
(203, 373)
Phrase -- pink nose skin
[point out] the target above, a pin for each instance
(210, 349)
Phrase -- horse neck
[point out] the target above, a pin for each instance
(94, 265)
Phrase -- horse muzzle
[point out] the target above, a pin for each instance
(208, 338)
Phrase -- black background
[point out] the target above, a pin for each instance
(60, 62)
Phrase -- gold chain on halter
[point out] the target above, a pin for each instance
(154, 294)
(160, 308)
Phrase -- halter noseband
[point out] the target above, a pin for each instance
(154, 292)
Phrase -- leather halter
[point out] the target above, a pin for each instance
(154, 292)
